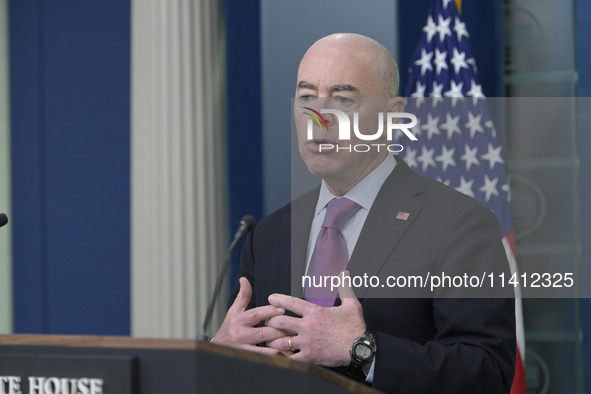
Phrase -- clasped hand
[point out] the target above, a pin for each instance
(319, 335)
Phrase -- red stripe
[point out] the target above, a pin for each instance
(511, 238)
(519, 379)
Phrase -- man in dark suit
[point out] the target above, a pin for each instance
(405, 225)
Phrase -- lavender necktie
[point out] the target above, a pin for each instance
(330, 255)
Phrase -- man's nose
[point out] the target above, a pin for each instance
(331, 104)
(320, 103)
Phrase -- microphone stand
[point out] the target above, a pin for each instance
(246, 224)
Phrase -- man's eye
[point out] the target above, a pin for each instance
(305, 98)
(343, 100)
(345, 103)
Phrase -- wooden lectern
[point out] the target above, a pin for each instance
(52, 364)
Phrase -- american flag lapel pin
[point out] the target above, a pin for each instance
(403, 215)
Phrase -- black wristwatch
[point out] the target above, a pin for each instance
(362, 351)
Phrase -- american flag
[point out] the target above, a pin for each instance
(457, 141)
(403, 215)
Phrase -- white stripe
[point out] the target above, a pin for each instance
(520, 330)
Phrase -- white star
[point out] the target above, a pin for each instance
(446, 3)
(430, 29)
(426, 157)
(436, 93)
(455, 91)
(446, 157)
(431, 126)
(439, 61)
(460, 29)
(425, 61)
(493, 156)
(410, 157)
(443, 27)
(469, 156)
(491, 126)
(458, 60)
(451, 125)
(475, 90)
(466, 187)
(415, 130)
(419, 93)
(474, 124)
(445, 182)
(490, 187)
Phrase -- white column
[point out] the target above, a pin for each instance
(178, 164)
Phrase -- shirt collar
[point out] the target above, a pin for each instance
(363, 193)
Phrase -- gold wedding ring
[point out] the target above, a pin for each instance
(290, 346)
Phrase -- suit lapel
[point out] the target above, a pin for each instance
(383, 229)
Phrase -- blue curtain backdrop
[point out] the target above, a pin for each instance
(243, 116)
(70, 120)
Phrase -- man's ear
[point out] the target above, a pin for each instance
(396, 104)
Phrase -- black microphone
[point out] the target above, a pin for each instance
(246, 224)
(3, 219)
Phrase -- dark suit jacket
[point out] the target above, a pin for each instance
(425, 345)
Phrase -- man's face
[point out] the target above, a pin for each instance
(336, 76)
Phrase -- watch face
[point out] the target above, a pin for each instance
(362, 351)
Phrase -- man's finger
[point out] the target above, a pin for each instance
(254, 316)
(295, 305)
(285, 323)
(345, 290)
(284, 343)
(242, 299)
(254, 335)
(262, 335)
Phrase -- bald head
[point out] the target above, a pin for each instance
(376, 61)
